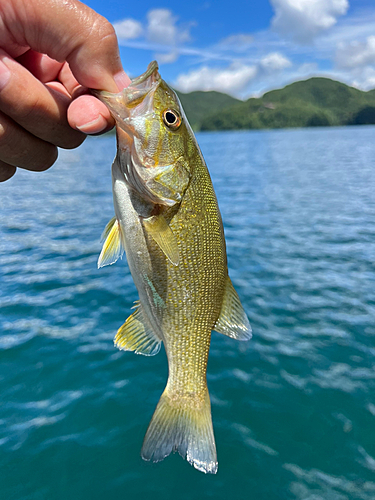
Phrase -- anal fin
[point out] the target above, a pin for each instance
(233, 321)
(135, 335)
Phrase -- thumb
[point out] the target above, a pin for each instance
(69, 31)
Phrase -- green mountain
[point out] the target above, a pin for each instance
(313, 102)
(198, 105)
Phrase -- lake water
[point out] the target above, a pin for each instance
(293, 409)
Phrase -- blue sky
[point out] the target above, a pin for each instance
(245, 48)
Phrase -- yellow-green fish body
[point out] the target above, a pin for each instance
(168, 221)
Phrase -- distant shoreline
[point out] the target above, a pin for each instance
(316, 102)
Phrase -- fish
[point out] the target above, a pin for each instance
(167, 220)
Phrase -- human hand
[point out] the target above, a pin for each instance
(51, 51)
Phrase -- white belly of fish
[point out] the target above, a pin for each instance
(135, 245)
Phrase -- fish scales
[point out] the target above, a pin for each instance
(168, 221)
(193, 293)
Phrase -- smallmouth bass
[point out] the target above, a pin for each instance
(168, 222)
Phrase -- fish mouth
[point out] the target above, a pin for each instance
(152, 72)
(134, 100)
(122, 103)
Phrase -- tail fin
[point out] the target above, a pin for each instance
(178, 426)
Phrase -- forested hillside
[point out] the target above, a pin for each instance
(309, 103)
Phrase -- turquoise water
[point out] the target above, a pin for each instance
(293, 409)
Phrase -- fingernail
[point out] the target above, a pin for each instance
(93, 127)
(122, 80)
(4, 75)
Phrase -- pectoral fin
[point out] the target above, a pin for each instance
(113, 247)
(157, 227)
(135, 335)
(107, 229)
(233, 320)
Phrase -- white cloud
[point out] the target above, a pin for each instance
(229, 80)
(302, 20)
(356, 54)
(365, 79)
(127, 29)
(162, 28)
(274, 62)
(166, 58)
(354, 27)
(162, 32)
(248, 63)
(357, 60)
(240, 38)
(235, 79)
(307, 70)
(237, 43)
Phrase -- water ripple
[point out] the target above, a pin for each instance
(293, 409)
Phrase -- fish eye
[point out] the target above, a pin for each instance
(172, 119)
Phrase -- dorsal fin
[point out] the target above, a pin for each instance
(233, 321)
(136, 335)
(113, 247)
